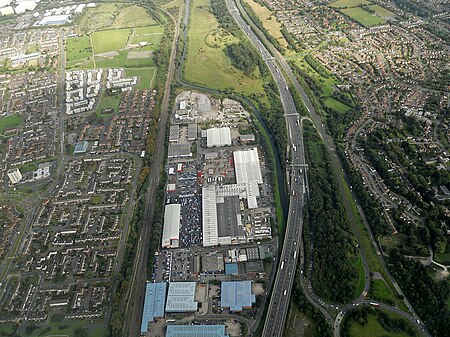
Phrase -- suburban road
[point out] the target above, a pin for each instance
(135, 300)
(299, 189)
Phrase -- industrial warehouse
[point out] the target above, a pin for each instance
(217, 199)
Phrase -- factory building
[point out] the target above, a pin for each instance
(171, 231)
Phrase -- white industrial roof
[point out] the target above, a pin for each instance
(218, 137)
(25, 6)
(6, 10)
(247, 166)
(209, 216)
(15, 176)
(171, 231)
(180, 297)
(4, 3)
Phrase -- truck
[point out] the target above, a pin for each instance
(282, 265)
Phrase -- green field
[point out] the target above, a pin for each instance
(150, 34)
(122, 61)
(380, 291)
(349, 3)
(336, 105)
(206, 63)
(7, 329)
(110, 40)
(78, 48)
(443, 258)
(66, 328)
(382, 12)
(108, 102)
(8, 122)
(115, 15)
(146, 77)
(363, 17)
(374, 329)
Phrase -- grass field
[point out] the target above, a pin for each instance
(443, 258)
(380, 291)
(382, 12)
(78, 48)
(146, 76)
(7, 329)
(207, 64)
(110, 40)
(115, 15)
(268, 20)
(363, 17)
(373, 328)
(66, 328)
(7, 122)
(121, 60)
(336, 105)
(150, 34)
(349, 3)
(108, 102)
(133, 16)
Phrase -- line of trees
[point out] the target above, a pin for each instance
(334, 274)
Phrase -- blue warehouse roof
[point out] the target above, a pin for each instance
(237, 295)
(196, 331)
(155, 296)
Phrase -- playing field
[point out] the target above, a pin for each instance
(382, 12)
(78, 48)
(7, 122)
(349, 3)
(152, 35)
(206, 63)
(363, 17)
(110, 40)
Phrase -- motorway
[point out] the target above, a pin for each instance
(278, 307)
(292, 250)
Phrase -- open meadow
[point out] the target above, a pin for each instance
(206, 63)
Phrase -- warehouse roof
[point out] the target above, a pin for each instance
(209, 216)
(174, 133)
(171, 231)
(247, 166)
(180, 297)
(155, 296)
(218, 137)
(237, 295)
(196, 331)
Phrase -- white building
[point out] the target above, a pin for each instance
(218, 137)
(209, 216)
(14, 176)
(246, 165)
(171, 231)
